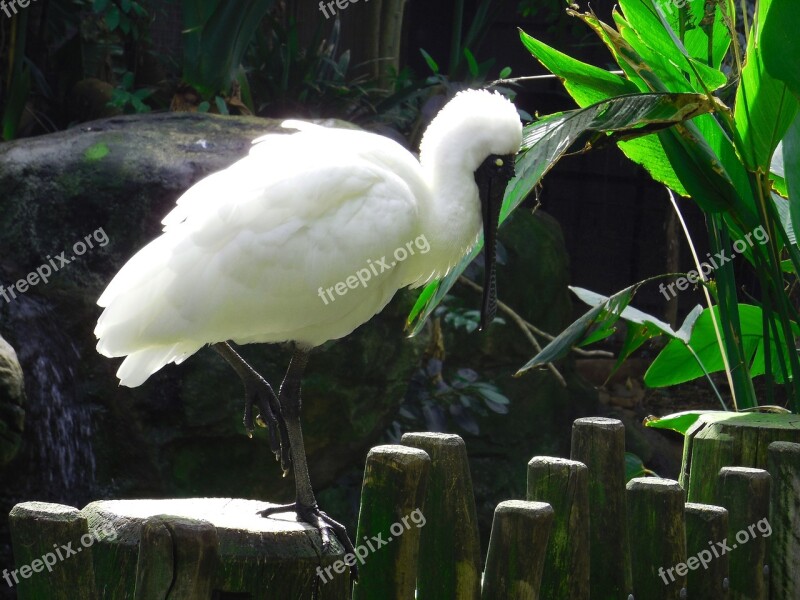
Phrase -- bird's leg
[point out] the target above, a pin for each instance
(305, 503)
(258, 391)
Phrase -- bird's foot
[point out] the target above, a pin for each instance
(329, 529)
(259, 394)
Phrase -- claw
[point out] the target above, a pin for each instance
(329, 529)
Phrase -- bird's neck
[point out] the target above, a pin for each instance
(451, 217)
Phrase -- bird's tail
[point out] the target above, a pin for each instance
(139, 365)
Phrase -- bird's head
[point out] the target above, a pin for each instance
(478, 132)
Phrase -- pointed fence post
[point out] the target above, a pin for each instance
(599, 443)
(387, 543)
(658, 550)
(745, 493)
(450, 563)
(564, 484)
(517, 548)
(783, 460)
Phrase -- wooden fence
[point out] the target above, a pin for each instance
(581, 533)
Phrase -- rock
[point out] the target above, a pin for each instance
(12, 403)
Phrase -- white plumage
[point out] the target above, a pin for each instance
(246, 250)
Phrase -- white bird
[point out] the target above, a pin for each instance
(303, 240)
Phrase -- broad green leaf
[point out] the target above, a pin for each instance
(765, 108)
(586, 83)
(648, 151)
(704, 37)
(546, 141)
(658, 45)
(680, 422)
(780, 42)
(676, 363)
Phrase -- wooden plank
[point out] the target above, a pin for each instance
(517, 548)
(706, 531)
(450, 562)
(392, 513)
(745, 492)
(599, 443)
(52, 552)
(564, 484)
(783, 464)
(750, 433)
(259, 558)
(658, 548)
(711, 450)
(177, 560)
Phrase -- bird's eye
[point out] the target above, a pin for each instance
(498, 162)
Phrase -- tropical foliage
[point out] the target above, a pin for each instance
(715, 122)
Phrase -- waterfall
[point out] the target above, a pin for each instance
(59, 459)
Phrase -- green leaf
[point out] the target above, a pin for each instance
(680, 422)
(432, 65)
(586, 84)
(780, 42)
(221, 106)
(634, 467)
(676, 363)
(216, 35)
(547, 140)
(653, 39)
(99, 5)
(601, 317)
(112, 17)
(765, 108)
(505, 73)
(471, 63)
(648, 151)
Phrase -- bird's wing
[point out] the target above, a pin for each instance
(246, 252)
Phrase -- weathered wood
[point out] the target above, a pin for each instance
(177, 559)
(52, 551)
(783, 464)
(599, 443)
(392, 513)
(745, 493)
(517, 547)
(450, 562)
(564, 484)
(706, 530)
(750, 433)
(658, 546)
(711, 450)
(265, 558)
